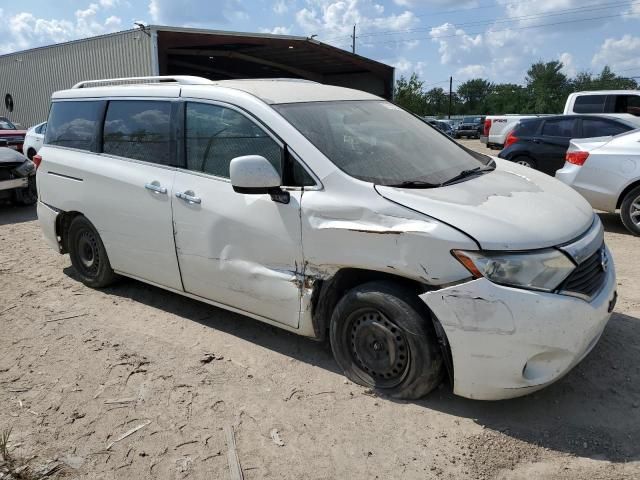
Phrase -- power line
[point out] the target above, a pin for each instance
(574, 10)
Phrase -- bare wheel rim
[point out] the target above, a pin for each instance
(88, 253)
(634, 211)
(378, 347)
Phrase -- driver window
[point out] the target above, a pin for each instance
(215, 135)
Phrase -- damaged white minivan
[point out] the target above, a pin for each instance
(334, 214)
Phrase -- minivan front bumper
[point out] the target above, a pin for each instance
(507, 342)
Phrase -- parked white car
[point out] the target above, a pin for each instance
(330, 212)
(33, 139)
(606, 171)
(614, 103)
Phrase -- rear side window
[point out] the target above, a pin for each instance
(215, 135)
(139, 129)
(527, 127)
(559, 127)
(627, 104)
(590, 104)
(73, 124)
(595, 127)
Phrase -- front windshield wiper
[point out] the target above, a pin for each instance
(469, 173)
(413, 184)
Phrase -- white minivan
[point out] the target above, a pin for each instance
(332, 213)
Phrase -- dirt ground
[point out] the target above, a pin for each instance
(135, 382)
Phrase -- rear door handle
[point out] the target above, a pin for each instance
(155, 187)
(536, 140)
(188, 196)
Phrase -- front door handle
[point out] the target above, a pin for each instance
(155, 187)
(189, 196)
(536, 140)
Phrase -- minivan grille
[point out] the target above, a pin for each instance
(589, 277)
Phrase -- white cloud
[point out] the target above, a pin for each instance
(619, 53)
(440, 3)
(196, 12)
(277, 30)
(406, 67)
(25, 30)
(109, 3)
(280, 7)
(471, 71)
(335, 19)
(569, 66)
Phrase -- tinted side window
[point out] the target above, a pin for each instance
(527, 127)
(601, 128)
(139, 129)
(216, 135)
(560, 127)
(590, 104)
(73, 124)
(627, 104)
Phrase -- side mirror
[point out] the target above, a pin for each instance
(253, 174)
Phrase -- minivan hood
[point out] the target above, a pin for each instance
(511, 208)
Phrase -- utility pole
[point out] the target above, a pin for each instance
(353, 40)
(450, 96)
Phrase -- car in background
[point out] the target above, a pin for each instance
(623, 104)
(470, 127)
(9, 132)
(542, 143)
(17, 177)
(606, 171)
(443, 126)
(496, 128)
(33, 139)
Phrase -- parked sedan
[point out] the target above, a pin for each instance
(606, 171)
(542, 143)
(33, 139)
(10, 135)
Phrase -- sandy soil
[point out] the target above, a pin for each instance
(81, 369)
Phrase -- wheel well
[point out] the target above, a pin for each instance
(63, 222)
(30, 153)
(625, 191)
(327, 293)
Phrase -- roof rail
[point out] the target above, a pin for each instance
(179, 79)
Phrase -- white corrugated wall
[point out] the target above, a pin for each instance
(30, 77)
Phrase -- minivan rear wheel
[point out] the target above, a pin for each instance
(630, 211)
(88, 255)
(383, 338)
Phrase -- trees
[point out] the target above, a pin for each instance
(548, 87)
(546, 91)
(474, 94)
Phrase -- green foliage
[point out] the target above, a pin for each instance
(546, 91)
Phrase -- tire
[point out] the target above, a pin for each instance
(31, 153)
(88, 255)
(630, 211)
(383, 338)
(525, 161)
(29, 195)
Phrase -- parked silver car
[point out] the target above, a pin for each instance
(606, 171)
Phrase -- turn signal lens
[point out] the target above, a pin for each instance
(37, 159)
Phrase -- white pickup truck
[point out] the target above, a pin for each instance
(613, 103)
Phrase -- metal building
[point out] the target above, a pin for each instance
(28, 78)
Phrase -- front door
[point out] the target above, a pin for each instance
(243, 251)
(554, 142)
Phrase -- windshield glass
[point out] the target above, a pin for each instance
(376, 141)
(6, 124)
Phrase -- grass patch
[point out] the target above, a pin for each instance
(17, 468)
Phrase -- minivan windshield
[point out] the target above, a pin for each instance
(376, 141)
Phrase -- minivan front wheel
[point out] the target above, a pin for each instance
(383, 339)
(630, 211)
(88, 255)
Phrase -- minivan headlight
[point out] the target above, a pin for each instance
(541, 270)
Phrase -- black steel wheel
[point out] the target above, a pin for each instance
(383, 338)
(88, 255)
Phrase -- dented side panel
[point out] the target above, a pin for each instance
(506, 342)
(244, 251)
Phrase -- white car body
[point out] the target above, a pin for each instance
(501, 126)
(34, 139)
(611, 169)
(611, 103)
(193, 235)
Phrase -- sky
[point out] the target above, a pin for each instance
(493, 39)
